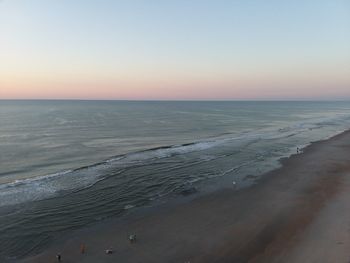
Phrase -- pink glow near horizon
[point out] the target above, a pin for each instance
(175, 91)
(66, 50)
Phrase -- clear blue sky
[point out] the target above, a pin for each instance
(174, 49)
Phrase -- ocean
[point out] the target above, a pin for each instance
(68, 164)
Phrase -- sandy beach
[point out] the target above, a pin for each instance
(174, 131)
(297, 213)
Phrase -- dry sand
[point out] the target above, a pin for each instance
(298, 213)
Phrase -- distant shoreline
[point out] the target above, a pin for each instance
(287, 216)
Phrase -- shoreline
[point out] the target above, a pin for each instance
(266, 222)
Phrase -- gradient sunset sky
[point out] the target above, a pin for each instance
(84, 49)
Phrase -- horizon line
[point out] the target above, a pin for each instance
(179, 100)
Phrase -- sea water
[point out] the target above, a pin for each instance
(67, 164)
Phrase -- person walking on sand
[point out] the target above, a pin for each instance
(82, 248)
(58, 256)
(132, 238)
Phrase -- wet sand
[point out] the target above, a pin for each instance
(298, 213)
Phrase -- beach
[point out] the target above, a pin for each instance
(297, 213)
(175, 131)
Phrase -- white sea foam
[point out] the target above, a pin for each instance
(127, 207)
(42, 187)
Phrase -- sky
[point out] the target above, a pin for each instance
(175, 50)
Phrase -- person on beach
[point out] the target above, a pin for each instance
(108, 251)
(82, 248)
(58, 256)
(132, 238)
